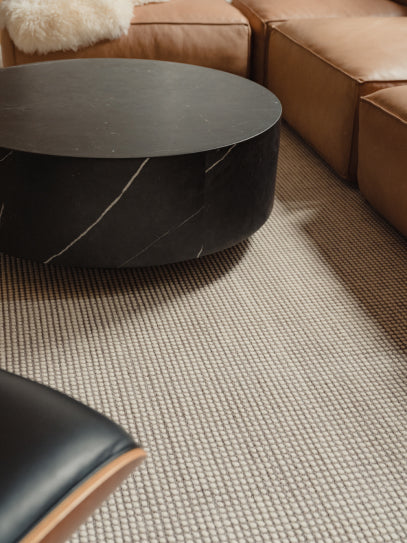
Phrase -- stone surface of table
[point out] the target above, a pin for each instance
(115, 163)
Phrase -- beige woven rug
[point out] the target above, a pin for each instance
(268, 383)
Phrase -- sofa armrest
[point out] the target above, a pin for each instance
(7, 49)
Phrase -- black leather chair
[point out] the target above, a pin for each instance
(58, 461)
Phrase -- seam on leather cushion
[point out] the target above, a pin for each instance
(343, 172)
(249, 51)
(382, 109)
(241, 3)
(311, 51)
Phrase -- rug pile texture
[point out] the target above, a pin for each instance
(268, 382)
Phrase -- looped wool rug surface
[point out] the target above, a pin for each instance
(268, 382)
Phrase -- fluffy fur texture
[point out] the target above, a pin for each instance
(42, 26)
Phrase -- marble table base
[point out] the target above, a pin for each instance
(113, 213)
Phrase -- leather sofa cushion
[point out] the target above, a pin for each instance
(49, 445)
(319, 68)
(383, 153)
(265, 14)
(209, 33)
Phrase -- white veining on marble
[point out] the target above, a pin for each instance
(170, 231)
(128, 185)
(6, 156)
(200, 252)
(221, 159)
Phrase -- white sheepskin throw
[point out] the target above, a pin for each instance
(42, 26)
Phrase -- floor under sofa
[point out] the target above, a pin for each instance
(267, 383)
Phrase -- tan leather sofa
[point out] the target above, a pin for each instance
(382, 167)
(320, 68)
(208, 33)
(327, 60)
(265, 15)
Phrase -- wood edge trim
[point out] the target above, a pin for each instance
(85, 497)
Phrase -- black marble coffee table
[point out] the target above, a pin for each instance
(114, 163)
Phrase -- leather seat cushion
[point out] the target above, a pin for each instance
(383, 153)
(265, 14)
(319, 68)
(49, 445)
(209, 33)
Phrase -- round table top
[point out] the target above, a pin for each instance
(106, 108)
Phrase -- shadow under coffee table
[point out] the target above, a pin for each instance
(115, 163)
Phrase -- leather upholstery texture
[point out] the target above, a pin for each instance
(264, 15)
(320, 68)
(209, 33)
(382, 168)
(49, 445)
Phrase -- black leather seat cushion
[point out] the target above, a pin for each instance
(49, 444)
